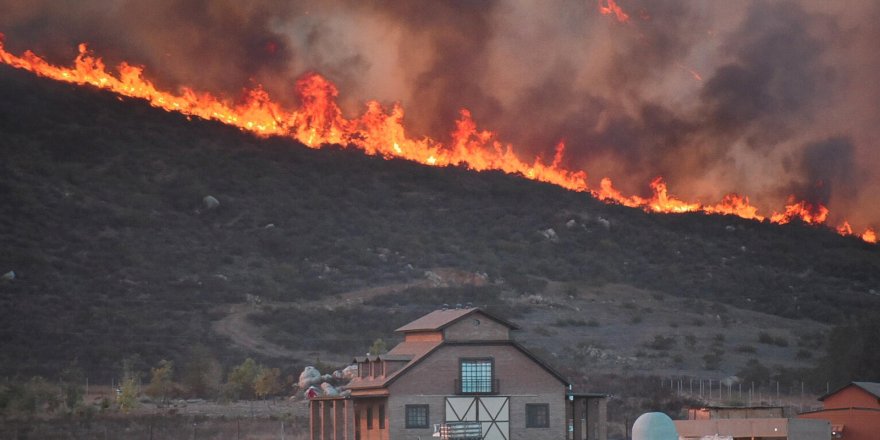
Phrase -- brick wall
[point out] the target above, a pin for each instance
(520, 378)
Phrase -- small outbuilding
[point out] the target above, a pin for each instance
(853, 411)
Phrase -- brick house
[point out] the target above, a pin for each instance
(853, 410)
(458, 374)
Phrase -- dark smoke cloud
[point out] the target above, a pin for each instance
(208, 44)
(827, 167)
(767, 98)
(455, 36)
(776, 77)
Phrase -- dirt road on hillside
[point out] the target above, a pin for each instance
(237, 327)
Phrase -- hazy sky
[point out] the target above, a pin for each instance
(764, 98)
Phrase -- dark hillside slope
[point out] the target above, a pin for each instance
(102, 220)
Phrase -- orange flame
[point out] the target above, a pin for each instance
(319, 121)
(869, 235)
(845, 229)
(802, 210)
(608, 7)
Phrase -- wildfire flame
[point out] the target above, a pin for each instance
(609, 7)
(319, 121)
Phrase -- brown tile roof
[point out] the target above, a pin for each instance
(439, 319)
(414, 350)
(871, 387)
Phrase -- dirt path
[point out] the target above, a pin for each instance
(238, 328)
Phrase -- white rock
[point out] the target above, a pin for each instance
(309, 376)
(329, 390)
(550, 234)
(210, 202)
(9, 276)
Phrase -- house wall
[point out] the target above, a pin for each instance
(801, 429)
(851, 396)
(520, 378)
(859, 424)
(476, 327)
(364, 406)
(426, 336)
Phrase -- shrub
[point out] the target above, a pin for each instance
(661, 342)
(767, 338)
(570, 322)
(712, 361)
(743, 348)
(803, 354)
(543, 331)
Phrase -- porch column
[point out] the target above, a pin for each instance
(327, 420)
(579, 410)
(339, 420)
(314, 420)
(597, 413)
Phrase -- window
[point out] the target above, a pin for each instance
(417, 416)
(537, 415)
(381, 416)
(477, 376)
(370, 417)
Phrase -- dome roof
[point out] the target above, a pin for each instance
(654, 426)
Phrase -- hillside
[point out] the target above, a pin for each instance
(116, 253)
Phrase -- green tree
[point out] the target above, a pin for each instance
(72, 390)
(202, 373)
(754, 372)
(161, 380)
(34, 395)
(378, 347)
(267, 383)
(240, 384)
(127, 396)
(853, 352)
(130, 386)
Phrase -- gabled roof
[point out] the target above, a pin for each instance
(871, 387)
(414, 350)
(440, 319)
(426, 348)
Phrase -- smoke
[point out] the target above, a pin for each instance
(765, 98)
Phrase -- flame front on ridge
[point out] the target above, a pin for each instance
(378, 131)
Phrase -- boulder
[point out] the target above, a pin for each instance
(309, 376)
(210, 202)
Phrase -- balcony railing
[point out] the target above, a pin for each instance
(477, 386)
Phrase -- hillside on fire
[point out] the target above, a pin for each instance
(128, 230)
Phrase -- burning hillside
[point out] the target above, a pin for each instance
(103, 192)
(711, 98)
(378, 131)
